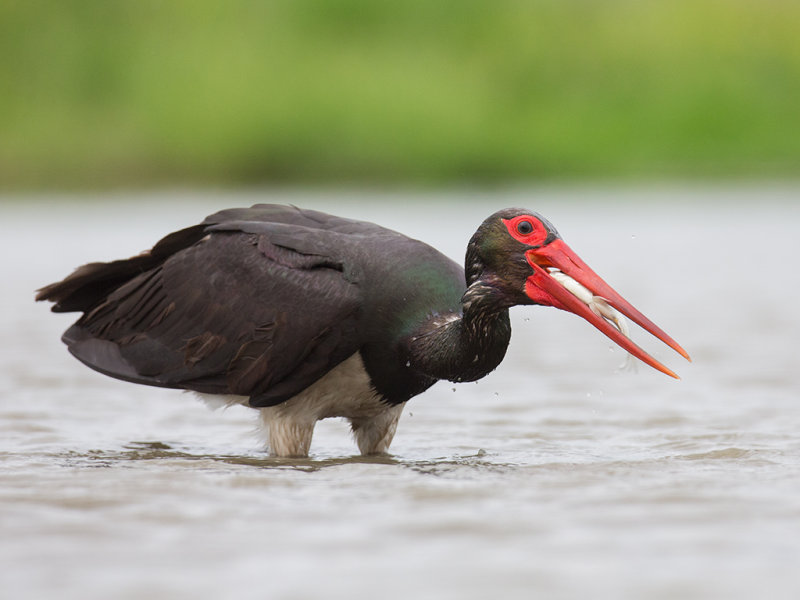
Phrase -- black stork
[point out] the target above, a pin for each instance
(306, 315)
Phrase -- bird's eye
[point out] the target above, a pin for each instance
(524, 227)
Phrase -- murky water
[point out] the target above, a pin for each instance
(558, 476)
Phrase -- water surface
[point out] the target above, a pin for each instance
(560, 475)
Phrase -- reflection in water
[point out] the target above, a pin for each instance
(144, 451)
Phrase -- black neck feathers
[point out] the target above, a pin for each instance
(466, 346)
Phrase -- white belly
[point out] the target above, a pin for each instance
(345, 391)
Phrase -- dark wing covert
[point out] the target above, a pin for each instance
(259, 302)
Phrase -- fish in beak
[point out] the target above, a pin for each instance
(561, 279)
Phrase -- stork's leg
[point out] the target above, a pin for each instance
(288, 437)
(374, 434)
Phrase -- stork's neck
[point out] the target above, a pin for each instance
(464, 346)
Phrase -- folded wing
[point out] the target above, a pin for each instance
(259, 302)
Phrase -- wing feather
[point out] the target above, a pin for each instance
(231, 314)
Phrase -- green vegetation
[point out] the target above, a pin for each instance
(110, 92)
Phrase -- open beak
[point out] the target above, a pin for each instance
(584, 293)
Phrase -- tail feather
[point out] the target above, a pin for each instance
(89, 284)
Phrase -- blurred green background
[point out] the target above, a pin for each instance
(97, 94)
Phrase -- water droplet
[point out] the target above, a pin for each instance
(408, 363)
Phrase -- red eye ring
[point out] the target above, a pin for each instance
(527, 230)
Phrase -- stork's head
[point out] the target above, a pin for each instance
(519, 253)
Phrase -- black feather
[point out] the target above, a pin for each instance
(262, 302)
